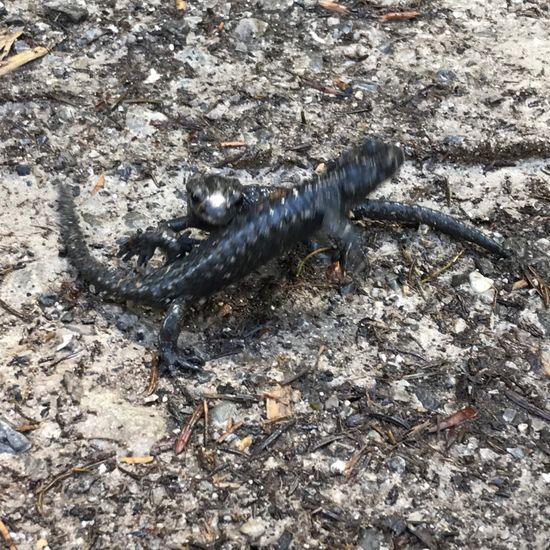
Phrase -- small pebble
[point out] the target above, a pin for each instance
(487, 454)
(126, 321)
(11, 441)
(338, 466)
(47, 300)
(249, 28)
(67, 317)
(253, 528)
(369, 540)
(332, 403)
(20, 46)
(454, 141)
(445, 77)
(509, 414)
(416, 517)
(479, 283)
(90, 36)
(523, 428)
(397, 464)
(426, 397)
(398, 526)
(366, 87)
(222, 413)
(71, 13)
(516, 452)
(23, 169)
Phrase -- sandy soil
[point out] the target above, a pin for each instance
(138, 97)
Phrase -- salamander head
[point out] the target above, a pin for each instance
(214, 199)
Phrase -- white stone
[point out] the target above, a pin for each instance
(479, 283)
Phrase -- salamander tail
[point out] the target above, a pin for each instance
(93, 271)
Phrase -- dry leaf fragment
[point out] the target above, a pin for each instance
(219, 480)
(302, 263)
(6, 536)
(545, 359)
(99, 184)
(333, 6)
(533, 279)
(181, 5)
(185, 434)
(233, 427)
(539, 284)
(23, 428)
(455, 419)
(335, 273)
(69, 472)
(244, 443)
(443, 268)
(398, 16)
(342, 84)
(519, 284)
(16, 61)
(7, 39)
(136, 459)
(236, 143)
(153, 381)
(354, 460)
(278, 403)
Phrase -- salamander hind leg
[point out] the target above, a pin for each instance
(352, 256)
(172, 358)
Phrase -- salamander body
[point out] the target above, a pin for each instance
(271, 226)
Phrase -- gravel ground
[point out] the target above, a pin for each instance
(132, 99)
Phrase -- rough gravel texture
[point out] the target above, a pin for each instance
(132, 99)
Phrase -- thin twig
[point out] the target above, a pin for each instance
(443, 268)
(303, 372)
(64, 475)
(310, 255)
(185, 434)
(15, 312)
(515, 398)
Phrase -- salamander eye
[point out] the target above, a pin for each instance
(195, 197)
(236, 198)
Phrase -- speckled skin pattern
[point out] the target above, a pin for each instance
(272, 226)
(213, 201)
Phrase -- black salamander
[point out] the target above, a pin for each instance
(213, 201)
(272, 226)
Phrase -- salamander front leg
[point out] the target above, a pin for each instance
(144, 244)
(177, 224)
(171, 357)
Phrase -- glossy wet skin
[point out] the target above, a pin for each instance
(271, 226)
(214, 199)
